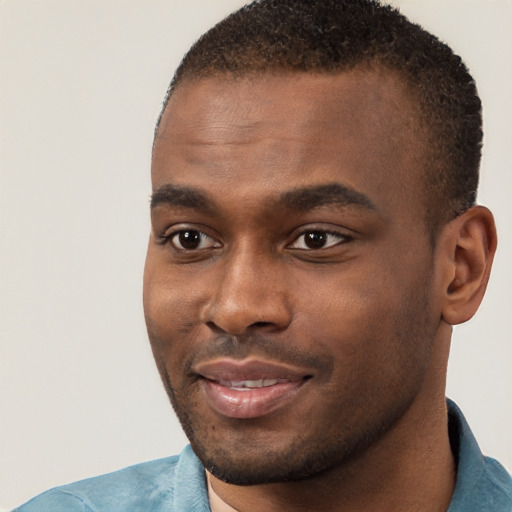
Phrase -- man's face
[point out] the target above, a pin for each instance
(288, 289)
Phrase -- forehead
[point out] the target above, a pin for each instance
(307, 100)
(271, 131)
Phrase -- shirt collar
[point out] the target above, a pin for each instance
(481, 482)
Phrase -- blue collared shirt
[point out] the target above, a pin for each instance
(178, 484)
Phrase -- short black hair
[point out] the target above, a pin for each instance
(332, 36)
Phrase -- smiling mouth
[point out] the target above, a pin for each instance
(246, 385)
(249, 389)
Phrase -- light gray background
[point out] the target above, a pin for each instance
(81, 84)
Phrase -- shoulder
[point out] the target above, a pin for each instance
(146, 486)
(482, 482)
(499, 487)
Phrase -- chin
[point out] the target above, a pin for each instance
(255, 472)
(255, 463)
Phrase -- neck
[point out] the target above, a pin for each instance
(410, 469)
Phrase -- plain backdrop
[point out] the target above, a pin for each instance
(81, 84)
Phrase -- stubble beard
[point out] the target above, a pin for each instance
(246, 459)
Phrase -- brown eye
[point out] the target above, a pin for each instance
(191, 240)
(315, 240)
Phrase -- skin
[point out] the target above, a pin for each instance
(366, 316)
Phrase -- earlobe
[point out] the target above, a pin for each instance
(469, 245)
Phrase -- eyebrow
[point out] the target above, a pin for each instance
(307, 198)
(174, 195)
(301, 199)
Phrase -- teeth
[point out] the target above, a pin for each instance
(260, 383)
(251, 384)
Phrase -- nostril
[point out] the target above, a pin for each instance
(255, 326)
(214, 327)
(260, 324)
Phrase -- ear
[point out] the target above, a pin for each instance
(468, 247)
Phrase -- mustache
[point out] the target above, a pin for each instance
(259, 346)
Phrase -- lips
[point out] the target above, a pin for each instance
(250, 388)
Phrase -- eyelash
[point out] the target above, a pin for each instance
(340, 239)
(197, 234)
(171, 237)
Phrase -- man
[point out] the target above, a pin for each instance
(314, 238)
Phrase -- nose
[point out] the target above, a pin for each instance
(249, 294)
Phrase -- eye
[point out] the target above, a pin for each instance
(192, 240)
(315, 240)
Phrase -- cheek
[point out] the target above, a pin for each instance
(378, 337)
(339, 303)
(365, 318)
(168, 306)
